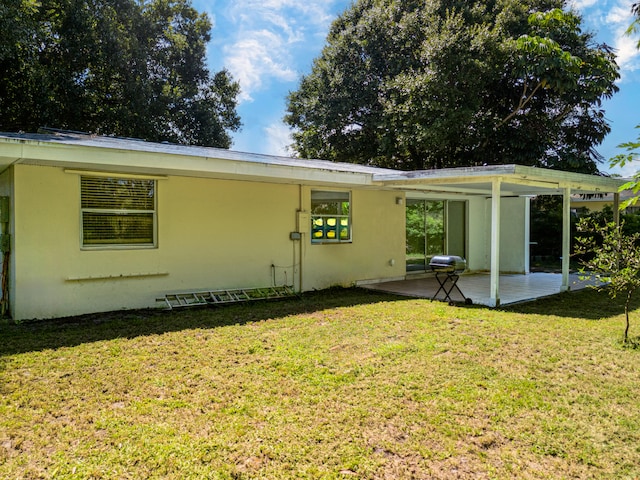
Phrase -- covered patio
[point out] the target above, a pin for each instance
(513, 288)
(499, 186)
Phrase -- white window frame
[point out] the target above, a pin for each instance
(122, 211)
(325, 224)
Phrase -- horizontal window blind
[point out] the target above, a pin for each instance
(109, 228)
(118, 211)
(118, 193)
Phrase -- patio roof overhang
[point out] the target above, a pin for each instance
(495, 182)
(515, 180)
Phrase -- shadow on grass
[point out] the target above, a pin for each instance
(588, 303)
(633, 343)
(71, 331)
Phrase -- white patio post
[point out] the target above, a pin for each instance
(527, 235)
(566, 238)
(494, 294)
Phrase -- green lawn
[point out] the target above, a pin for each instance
(337, 384)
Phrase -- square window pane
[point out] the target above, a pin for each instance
(330, 216)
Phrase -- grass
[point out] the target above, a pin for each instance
(338, 384)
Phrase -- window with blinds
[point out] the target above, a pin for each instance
(118, 212)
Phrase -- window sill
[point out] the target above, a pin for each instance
(329, 242)
(90, 248)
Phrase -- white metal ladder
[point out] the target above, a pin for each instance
(220, 297)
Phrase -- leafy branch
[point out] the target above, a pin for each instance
(612, 257)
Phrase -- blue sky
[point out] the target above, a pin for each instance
(269, 44)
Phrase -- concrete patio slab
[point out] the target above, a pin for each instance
(513, 288)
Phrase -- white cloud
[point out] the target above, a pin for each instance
(620, 13)
(581, 4)
(627, 53)
(266, 33)
(618, 19)
(628, 171)
(278, 139)
(260, 54)
(313, 11)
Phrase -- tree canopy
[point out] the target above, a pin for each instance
(612, 257)
(632, 147)
(441, 83)
(119, 67)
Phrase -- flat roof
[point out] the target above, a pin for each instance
(512, 179)
(131, 156)
(132, 144)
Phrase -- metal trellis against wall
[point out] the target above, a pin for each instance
(221, 297)
(5, 250)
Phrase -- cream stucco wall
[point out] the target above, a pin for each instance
(513, 233)
(478, 231)
(377, 250)
(212, 234)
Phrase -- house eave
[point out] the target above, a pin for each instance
(517, 180)
(117, 155)
(124, 156)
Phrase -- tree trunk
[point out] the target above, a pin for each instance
(626, 313)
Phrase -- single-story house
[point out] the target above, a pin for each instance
(94, 223)
(596, 203)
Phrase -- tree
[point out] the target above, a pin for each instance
(613, 257)
(120, 67)
(632, 148)
(440, 83)
(546, 228)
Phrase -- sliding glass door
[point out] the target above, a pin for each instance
(434, 228)
(425, 232)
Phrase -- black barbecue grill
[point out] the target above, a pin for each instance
(448, 268)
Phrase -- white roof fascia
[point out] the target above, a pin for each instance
(541, 180)
(449, 173)
(117, 155)
(138, 157)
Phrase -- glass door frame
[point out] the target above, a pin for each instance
(421, 245)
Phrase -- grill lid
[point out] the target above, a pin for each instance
(451, 263)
